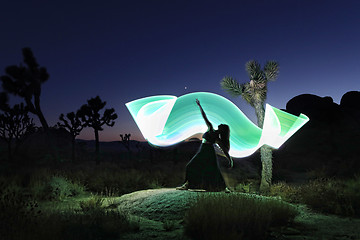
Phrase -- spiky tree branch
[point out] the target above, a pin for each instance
(253, 69)
(14, 125)
(271, 70)
(26, 83)
(231, 86)
(74, 125)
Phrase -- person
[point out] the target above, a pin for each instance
(202, 172)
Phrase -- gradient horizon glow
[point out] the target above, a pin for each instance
(166, 120)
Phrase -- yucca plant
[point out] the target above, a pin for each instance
(254, 93)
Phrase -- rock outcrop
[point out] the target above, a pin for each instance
(330, 140)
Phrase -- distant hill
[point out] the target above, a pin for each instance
(114, 146)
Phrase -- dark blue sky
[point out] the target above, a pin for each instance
(124, 50)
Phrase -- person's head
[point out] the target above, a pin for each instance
(224, 135)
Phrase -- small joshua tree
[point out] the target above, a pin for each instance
(26, 83)
(92, 118)
(254, 92)
(14, 125)
(126, 140)
(74, 125)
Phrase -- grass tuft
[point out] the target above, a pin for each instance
(341, 197)
(235, 216)
(286, 192)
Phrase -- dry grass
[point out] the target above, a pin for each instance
(235, 216)
(335, 196)
(341, 197)
(21, 218)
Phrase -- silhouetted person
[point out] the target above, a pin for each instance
(202, 172)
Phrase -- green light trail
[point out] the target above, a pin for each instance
(166, 120)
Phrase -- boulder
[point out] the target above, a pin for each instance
(328, 141)
(350, 103)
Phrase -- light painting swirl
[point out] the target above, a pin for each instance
(165, 120)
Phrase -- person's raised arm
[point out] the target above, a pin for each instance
(208, 123)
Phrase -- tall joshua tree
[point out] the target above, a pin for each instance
(254, 92)
(92, 118)
(14, 124)
(25, 81)
(74, 125)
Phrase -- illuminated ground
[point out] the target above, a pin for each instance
(157, 206)
(155, 209)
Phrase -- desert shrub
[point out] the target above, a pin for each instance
(352, 193)
(18, 213)
(248, 186)
(44, 184)
(95, 222)
(39, 189)
(129, 180)
(155, 184)
(318, 173)
(88, 225)
(60, 187)
(286, 192)
(21, 219)
(92, 205)
(235, 216)
(340, 197)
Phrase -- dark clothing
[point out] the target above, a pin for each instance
(210, 136)
(203, 171)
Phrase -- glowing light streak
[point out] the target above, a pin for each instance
(166, 120)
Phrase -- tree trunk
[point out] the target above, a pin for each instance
(40, 114)
(73, 149)
(260, 113)
(266, 152)
(9, 150)
(97, 147)
(266, 171)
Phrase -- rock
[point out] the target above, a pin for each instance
(315, 107)
(350, 103)
(328, 141)
(165, 203)
(157, 204)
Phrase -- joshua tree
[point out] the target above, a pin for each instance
(126, 141)
(254, 92)
(26, 83)
(14, 124)
(92, 118)
(74, 125)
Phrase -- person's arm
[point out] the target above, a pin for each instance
(231, 162)
(226, 152)
(208, 123)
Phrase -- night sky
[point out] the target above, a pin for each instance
(124, 50)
